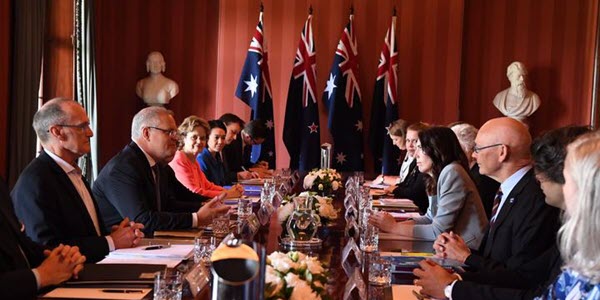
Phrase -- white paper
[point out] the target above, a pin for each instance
(174, 252)
(96, 293)
(169, 262)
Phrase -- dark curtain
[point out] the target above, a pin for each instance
(28, 47)
(85, 78)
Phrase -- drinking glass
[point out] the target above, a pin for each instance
(244, 208)
(203, 249)
(168, 285)
(380, 272)
(369, 238)
(220, 225)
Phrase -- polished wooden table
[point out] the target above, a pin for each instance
(331, 254)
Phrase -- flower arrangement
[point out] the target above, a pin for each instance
(295, 275)
(323, 181)
(323, 206)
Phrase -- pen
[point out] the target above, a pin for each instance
(121, 291)
(154, 247)
(254, 174)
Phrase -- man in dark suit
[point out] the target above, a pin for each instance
(522, 226)
(25, 266)
(51, 197)
(138, 184)
(236, 154)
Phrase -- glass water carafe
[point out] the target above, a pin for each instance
(303, 223)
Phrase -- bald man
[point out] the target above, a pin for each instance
(522, 225)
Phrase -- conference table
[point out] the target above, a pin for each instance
(330, 254)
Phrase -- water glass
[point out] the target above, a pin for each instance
(380, 272)
(369, 238)
(203, 249)
(244, 208)
(220, 225)
(168, 285)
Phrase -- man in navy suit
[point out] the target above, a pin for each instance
(53, 200)
(522, 226)
(25, 266)
(138, 184)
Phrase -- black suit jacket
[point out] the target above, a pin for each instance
(16, 278)
(125, 188)
(47, 203)
(530, 281)
(525, 227)
(234, 158)
(413, 188)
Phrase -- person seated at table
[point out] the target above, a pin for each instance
(193, 130)
(397, 133)
(137, 183)
(523, 226)
(25, 266)
(210, 159)
(231, 152)
(486, 186)
(549, 152)
(577, 238)
(238, 153)
(53, 200)
(454, 203)
(411, 182)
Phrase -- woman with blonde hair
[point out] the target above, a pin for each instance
(578, 237)
(193, 131)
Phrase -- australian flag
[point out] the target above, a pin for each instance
(301, 132)
(254, 88)
(385, 107)
(342, 98)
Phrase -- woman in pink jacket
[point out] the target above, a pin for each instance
(193, 131)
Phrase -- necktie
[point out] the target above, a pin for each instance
(156, 171)
(497, 200)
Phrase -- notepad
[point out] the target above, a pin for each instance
(174, 251)
(405, 292)
(96, 293)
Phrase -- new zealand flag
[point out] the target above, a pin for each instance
(385, 107)
(254, 88)
(342, 98)
(301, 132)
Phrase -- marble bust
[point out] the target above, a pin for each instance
(517, 101)
(156, 89)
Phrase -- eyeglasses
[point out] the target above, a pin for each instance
(169, 132)
(83, 126)
(478, 149)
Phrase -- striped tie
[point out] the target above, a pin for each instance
(497, 200)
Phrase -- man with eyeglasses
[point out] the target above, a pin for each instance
(53, 200)
(138, 184)
(522, 224)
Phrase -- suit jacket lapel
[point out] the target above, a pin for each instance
(145, 165)
(509, 202)
(68, 187)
